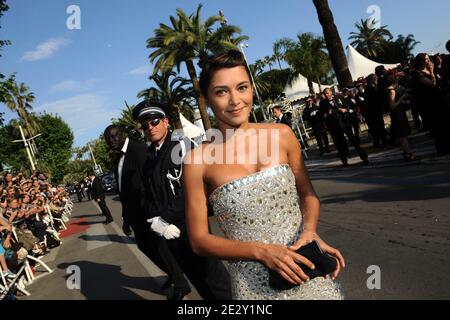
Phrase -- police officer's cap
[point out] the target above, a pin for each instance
(149, 109)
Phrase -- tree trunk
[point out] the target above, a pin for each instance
(200, 98)
(23, 116)
(175, 116)
(334, 43)
(320, 84)
(311, 87)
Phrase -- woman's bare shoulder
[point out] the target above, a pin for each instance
(197, 155)
(269, 126)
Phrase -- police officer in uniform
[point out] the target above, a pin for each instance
(130, 159)
(166, 154)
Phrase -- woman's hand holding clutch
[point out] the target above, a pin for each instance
(308, 236)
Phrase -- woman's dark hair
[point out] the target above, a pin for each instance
(419, 61)
(436, 58)
(390, 79)
(230, 59)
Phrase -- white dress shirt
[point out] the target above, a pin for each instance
(121, 161)
(157, 148)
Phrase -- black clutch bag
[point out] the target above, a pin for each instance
(324, 264)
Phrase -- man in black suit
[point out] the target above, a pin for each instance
(312, 114)
(374, 112)
(339, 127)
(98, 195)
(130, 161)
(446, 72)
(207, 274)
(280, 117)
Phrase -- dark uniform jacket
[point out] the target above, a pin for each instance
(167, 196)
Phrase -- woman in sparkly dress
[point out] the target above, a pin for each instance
(254, 177)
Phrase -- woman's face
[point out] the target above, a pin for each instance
(14, 204)
(230, 94)
(427, 60)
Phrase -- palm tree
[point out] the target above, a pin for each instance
(278, 53)
(126, 121)
(406, 46)
(189, 39)
(170, 90)
(308, 57)
(368, 40)
(19, 98)
(261, 85)
(334, 43)
(268, 61)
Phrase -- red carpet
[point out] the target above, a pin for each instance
(75, 227)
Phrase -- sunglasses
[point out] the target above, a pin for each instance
(153, 123)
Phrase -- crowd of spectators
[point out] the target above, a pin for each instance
(31, 214)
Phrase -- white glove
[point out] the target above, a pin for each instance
(171, 232)
(163, 229)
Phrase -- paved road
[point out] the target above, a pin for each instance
(111, 265)
(396, 218)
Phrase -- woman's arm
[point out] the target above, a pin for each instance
(428, 82)
(391, 99)
(309, 202)
(275, 257)
(12, 216)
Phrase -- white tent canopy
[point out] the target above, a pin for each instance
(191, 130)
(360, 66)
(300, 89)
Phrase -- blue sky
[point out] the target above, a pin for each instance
(86, 75)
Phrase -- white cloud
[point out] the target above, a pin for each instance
(142, 70)
(46, 49)
(74, 86)
(87, 114)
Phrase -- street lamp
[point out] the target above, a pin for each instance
(261, 105)
(29, 148)
(222, 15)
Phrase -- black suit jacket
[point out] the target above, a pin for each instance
(285, 120)
(334, 119)
(374, 102)
(97, 189)
(133, 184)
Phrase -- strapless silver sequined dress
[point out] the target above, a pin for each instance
(264, 207)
